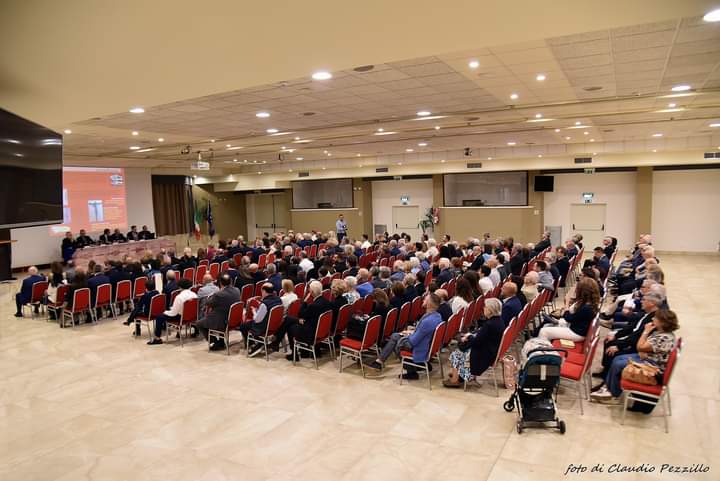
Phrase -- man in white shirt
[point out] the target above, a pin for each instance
(366, 242)
(306, 265)
(492, 263)
(340, 228)
(174, 312)
(486, 284)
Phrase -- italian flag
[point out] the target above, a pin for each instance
(196, 227)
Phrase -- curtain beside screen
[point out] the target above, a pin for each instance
(171, 204)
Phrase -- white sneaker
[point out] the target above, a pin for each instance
(601, 395)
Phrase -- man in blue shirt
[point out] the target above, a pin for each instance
(364, 287)
(340, 228)
(25, 294)
(511, 304)
(418, 340)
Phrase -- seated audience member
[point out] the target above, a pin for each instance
(530, 285)
(543, 244)
(97, 279)
(219, 305)
(410, 290)
(169, 286)
(187, 260)
(517, 260)
(472, 277)
(577, 239)
(653, 347)
(303, 328)
(258, 325)
(481, 347)
(417, 341)
(145, 234)
(519, 283)
(485, 283)
(503, 269)
(207, 289)
(67, 247)
(398, 271)
(338, 296)
(511, 304)
(364, 287)
(117, 236)
(545, 278)
(382, 280)
(444, 308)
(105, 237)
(83, 240)
(287, 295)
(446, 274)
(494, 275)
(562, 263)
(352, 262)
(609, 246)
(142, 306)
(133, 234)
(351, 293)
(600, 261)
(381, 304)
(624, 341)
(25, 295)
(175, 311)
(398, 295)
(57, 274)
(273, 277)
(577, 317)
(306, 265)
(79, 282)
(463, 296)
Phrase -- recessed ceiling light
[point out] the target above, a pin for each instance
(715, 124)
(437, 127)
(282, 148)
(324, 168)
(586, 133)
(578, 123)
(473, 64)
(322, 75)
(325, 151)
(539, 155)
(134, 147)
(557, 130)
(297, 138)
(289, 170)
(489, 158)
(399, 163)
(329, 154)
(681, 88)
(272, 131)
(360, 165)
(594, 153)
(212, 140)
(264, 161)
(254, 161)
(592, 140)
(514, 96)
(234, 160)
(245, 161)
(262, 115)
(712, 16)
(135, 132)
(657, 135)
(672, 106)
(538, 116)
(409, 150)
(423, 113)
(422, 144)
(259, 172)
(384, 133)
(299, 158)
(67, 131)
(145, 150)
(442, 161)
(357, 155)
(567, 138)
(137, 110)
(230, 145)
(654, 150)
(511, 143)
(540, 77)
(161, 139)
(381, 129)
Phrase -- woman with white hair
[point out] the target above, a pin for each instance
(530, 285)
(351, 294)
(479, 347)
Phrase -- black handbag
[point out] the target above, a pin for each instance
(356, 326)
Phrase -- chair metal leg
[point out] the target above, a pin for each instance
(579, 387)
(666, 415)
(341, 359)
(315, 359)
(402, 368)
(362, 367)
(427, 371)
(667, 399)
(497, 391)
(625, 403)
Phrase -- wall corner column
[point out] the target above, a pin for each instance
(643, 203)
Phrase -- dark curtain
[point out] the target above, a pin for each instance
(172, 203)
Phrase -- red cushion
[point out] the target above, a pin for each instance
(570, 370)
(351, 343)
(575, 358)
(406, 354)
(578, 346)
(633, 386)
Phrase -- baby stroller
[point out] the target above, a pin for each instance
(536, 390)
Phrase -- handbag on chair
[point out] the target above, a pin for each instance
(641, 373)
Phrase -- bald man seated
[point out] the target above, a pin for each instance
(25, 295)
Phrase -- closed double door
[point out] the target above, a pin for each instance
(271, 213)
(588, 220)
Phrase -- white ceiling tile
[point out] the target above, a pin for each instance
(645, 28)
(577, 38)
(581, 49)
(641, 41)
(586, 62)
(423, 70)
(644, 54)
(706, 31)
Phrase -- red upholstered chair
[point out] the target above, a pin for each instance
(453, 327)
(364, 261)
(225, 265)
(479, 310)
(341, 323)
(270, 259)
(123, 294)
(200, 273)
(355, 349)
(403, 317)
(358, 306)
(188, 317)
(384, 262)
(103, 300)
(416, 309)
(275, 319)
(313, 251)
(235, 318)
(37, 296)
(428, 278)
(294, 308)
(505, 343)
(406, 357)
(203, 262)
(368, 303)
(327, 294)
(300, 290)
(214, 270)
(157, 307)
(173, 295)
(57, 305)
(467, 319)
(81, 303)
(247, 292)
(189, 274)
(390, 321)
(576, 369)
(322, 333)
(258, 288)
(139, 288)
(237, 258)
(262, 261)
(642, 393)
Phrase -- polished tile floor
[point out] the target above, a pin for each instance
(92, 403)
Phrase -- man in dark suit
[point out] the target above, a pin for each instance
(445, 274)
(99, 278)
(511, 304)
(543, 244)
(170, 286)
(303, 327)
(516, 260)
(220, 304)
(83, 240)
(133, 235)
(105, 237)
(142, 306)
(25, 295)
(117, 236)
(145, 234)
(68, 246)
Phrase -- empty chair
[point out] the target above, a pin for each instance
(103, 300)
(123, 294)
(200, 273)
(214, 270)
(189, 274)
(81, 303)
(355, 349)
(139, 288)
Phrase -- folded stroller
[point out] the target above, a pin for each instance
(536, 390)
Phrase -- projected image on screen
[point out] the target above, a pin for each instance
(93, 199)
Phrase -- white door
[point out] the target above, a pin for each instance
(264, 214)
(588, 220)
(405, 218)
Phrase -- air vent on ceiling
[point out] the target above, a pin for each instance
(592, 88)
(380, 170)
(712, 155)
(364, 68)
(474, 165)
(303, 174)
(308, 114)
(583, 160)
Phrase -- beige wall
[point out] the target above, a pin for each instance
(228, 210)
(643, 200)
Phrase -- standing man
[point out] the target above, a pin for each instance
(340, 228)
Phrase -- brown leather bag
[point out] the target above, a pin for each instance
(641, 373)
